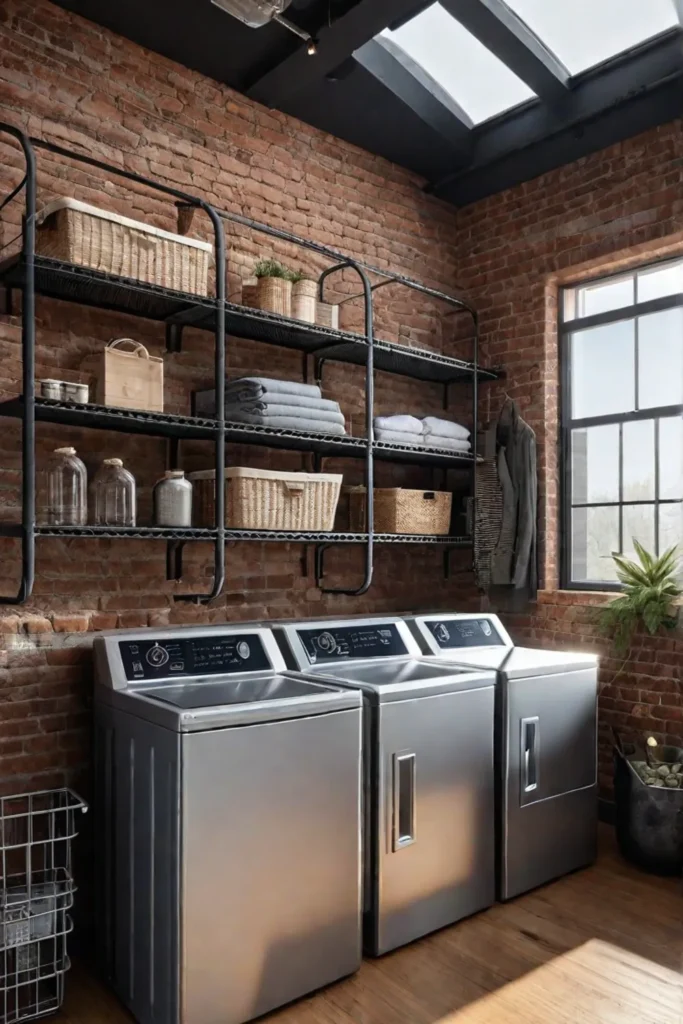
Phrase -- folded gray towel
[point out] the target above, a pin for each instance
(399, 437)
(402, 424)
(205, 402)
(308, 426)
(246, 389)
(451, 444)
(263, 410)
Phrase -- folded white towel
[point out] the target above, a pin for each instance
(399, 437)
(402, 424)
(444, 428)
(451, 444)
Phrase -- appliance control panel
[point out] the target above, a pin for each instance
(194, 656)
(338, 643)
(451, 634)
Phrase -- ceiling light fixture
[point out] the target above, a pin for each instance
(257, 13)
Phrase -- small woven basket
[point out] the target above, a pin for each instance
(262, 499)
(327, 315)
(304, 300)
(274, 294)
(399, 510)
(76, 233)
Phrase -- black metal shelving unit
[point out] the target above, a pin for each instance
(32, 274)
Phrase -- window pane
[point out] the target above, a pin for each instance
(595, 464)
(595, 535)
(639, 523)
(602, 296)
(476, 79)
(603, 370)
(639, 461)
(586, 32)
(660, 359)
(671, 527)
(656, 282)
(671, 458)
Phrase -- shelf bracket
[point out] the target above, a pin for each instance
(174, 337)
(174, 560)
(319, 370)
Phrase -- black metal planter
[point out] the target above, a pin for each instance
(649, 820)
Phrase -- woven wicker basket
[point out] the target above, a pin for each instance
(77, 233)
(274, 294)
(398, 510)
(262, 499)
(304, 300)
(327, 315)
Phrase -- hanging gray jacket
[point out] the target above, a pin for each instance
(520, 502)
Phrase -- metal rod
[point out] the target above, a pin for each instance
(28, 357)
(475, 430)
(370, 434)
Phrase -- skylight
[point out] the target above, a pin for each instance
(583, 33)
(478, 82)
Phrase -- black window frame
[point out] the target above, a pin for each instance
(567, 327)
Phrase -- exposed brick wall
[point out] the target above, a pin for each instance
(69, 81)
(609, 211)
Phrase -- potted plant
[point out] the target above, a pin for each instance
(650, 588)
(647, 784)
(274, 287)
(304, 296)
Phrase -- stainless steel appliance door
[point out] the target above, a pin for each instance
(270, 885)
(550, 778)
(435, 842)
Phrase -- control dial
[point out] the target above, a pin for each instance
(327, 643)
(157, 656)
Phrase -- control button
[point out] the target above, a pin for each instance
(177, 666)
(244, 650)
(442, 633)
(137, 666)
(157, 656)
(486, 628)
(327, 643)
(134, 649)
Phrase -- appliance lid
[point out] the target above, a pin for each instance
(529, 661)
(403, 679)
(333, 642)
(203, 693)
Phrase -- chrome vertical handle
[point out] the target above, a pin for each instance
(530, 742)
(404, 801)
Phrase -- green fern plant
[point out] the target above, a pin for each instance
(271, 268)
(650, 589)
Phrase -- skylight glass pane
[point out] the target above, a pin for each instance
(478, 82)
(583, 33)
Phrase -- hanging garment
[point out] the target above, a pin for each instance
(520, 500)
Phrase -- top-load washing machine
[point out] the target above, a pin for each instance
(229, 831)
(428, 773)
(546, 746)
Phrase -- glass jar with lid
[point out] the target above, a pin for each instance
(173, 499)
(63, 490)
(114, 496)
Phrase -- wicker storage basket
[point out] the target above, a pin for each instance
(263, 499)
(274, 294)
(399, 510)
(304, 300)
(77, 233)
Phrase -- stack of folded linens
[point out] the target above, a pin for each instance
(283, 404)
(430, 432)
(398, 429)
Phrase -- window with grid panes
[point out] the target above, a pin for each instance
(621, 343)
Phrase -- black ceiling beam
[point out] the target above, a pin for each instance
(504, 34)
(335, 44)
(418, 90)
(631, 93)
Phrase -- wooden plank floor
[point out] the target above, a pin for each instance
(603, 946)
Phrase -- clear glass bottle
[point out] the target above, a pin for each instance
(173, 500)
(64, 490)
(114, 495)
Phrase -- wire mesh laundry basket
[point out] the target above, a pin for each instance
(36, 894)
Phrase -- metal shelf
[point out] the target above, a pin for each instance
(200, 534)
(154, 424)
(88, 287)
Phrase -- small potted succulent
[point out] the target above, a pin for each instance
(304, 296)
(274, 287)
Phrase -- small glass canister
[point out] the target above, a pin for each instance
(114, 495)
(173, 500)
